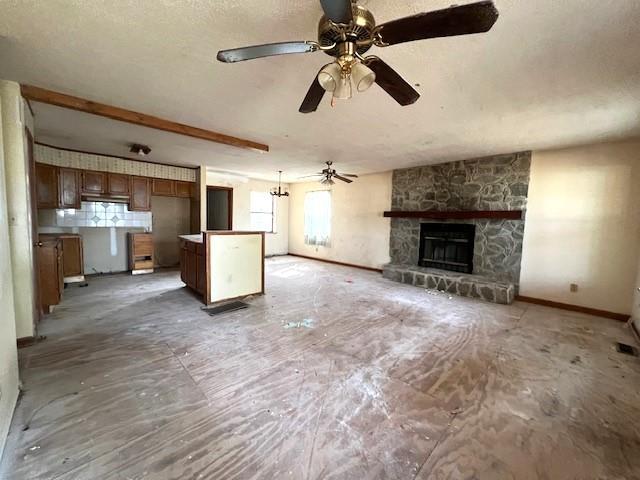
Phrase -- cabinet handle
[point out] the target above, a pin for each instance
(37, 244)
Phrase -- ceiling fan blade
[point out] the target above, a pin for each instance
(391, 82)
(314, 175)
(340, 177)
(338, 11)
(267, 50)
(462, 20)
(349, 175)
(313, 97)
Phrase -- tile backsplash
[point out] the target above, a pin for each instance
(95, 214)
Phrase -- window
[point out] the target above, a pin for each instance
(262, 212)
(317, 218)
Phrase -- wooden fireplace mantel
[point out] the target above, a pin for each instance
(460, 214)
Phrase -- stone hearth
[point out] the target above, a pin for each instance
(464, 284)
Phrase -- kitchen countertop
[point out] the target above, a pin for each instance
(197, 237)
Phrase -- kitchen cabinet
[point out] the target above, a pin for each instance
(164, 187)
(50, 272)
(94, 183)
(118, 184)
(69, 188)
(140, 253)
(140, 199)
(72, 258)
(46, 186)
(223, 265)
(72, 255)
(183, 189)
(193, 269)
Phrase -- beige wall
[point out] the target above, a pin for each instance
(14, 119)
(171, 217)
(8, 353)
(583, 226)
(359, 232)
(275, 243)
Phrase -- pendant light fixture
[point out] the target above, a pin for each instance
(278, 192)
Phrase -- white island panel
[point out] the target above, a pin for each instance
(236, 263)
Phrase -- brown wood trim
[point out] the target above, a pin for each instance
(463, 214)
(371, 269)
(621, 317)
(26, 341)
(50, 97)
(116, 156)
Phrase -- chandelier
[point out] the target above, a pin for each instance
(278, 192)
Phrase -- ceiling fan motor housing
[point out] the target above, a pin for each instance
(361, 28)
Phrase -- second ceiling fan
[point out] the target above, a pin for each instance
(328, 174)
(347, 31)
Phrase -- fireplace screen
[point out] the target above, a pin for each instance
(448, 246)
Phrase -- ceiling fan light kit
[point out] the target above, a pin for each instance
(347, 31)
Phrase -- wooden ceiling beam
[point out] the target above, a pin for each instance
(50, 97)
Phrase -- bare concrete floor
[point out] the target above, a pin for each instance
(335, 373)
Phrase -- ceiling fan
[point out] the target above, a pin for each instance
(328, 174)
(347, 31)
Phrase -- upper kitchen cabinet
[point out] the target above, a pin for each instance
(118, 184)
(69, 188)
(183, 189)
(161, 186)
(140, 199)
(47, 185)
(94, 183)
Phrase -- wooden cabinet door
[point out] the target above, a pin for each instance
(192, 270)
(49, 275)
(69, 187)
(201, 274)
(94, 182)
(46, 186)
(183, 263)
(118, 184)
(183, 189)
(72, 257)
(163, 187)
(140, 194)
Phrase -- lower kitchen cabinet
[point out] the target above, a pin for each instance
(193, 259)
(50, 272)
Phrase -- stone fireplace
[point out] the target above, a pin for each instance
(498, 183)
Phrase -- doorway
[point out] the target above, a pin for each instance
(219, 208)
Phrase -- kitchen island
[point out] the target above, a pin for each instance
(223, 264)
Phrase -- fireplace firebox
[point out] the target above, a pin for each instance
(448, 246)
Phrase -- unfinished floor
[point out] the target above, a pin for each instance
(334, 373)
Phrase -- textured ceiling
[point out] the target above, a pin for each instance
(550, 73)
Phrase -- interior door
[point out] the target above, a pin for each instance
(219, 208)
(37, 306)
